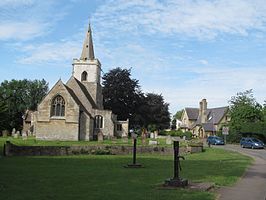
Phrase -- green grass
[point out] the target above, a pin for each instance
(104, 177)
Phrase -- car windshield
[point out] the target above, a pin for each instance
(217, 138)
(255, 140)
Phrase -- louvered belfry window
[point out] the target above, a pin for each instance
(58, 106)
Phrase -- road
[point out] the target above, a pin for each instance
(252, 186)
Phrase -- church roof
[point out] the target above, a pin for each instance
(87, 50)
(80, 93)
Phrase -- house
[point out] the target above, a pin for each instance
(74, 110)
(204, 121)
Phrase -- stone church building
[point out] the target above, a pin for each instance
(74, 110)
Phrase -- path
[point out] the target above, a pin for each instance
(252, 186)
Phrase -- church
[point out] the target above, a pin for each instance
(73, 111)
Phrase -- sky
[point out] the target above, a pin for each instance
(185, 50)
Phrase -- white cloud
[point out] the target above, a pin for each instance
(50, 53)
(196, 18)
(21, 30)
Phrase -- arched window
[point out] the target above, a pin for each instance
(84, 76)
(98, 121)
(58, 106)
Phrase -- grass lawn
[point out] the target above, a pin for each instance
(104, 177)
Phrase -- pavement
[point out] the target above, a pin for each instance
(252, 186)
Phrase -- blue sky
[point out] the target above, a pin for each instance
(185, 50)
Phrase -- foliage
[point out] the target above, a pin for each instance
(19, 95)
(123, 96)
(243, 110)
(178, 115)
(121, 93)
(157, 112)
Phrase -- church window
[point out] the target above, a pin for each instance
(84, 76)
(98, 121)
(58, 106)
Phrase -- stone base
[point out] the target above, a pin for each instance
(137, 165)
(176, 182)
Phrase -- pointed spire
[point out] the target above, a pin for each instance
(87, 51)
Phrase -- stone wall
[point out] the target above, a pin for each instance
(13, 150)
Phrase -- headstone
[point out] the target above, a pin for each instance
(155, 134)
(184, 138)
(100, 136)
(13, 132)
(16, 135)
(152, 135)
(153, 142)
(5, 133)
(168, 140)
(24, 135)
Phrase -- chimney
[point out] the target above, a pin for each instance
(203, 111)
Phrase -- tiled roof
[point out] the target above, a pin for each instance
(192, 113)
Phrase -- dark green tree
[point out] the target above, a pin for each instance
(19, 95)
(121, 93)
(158, 111)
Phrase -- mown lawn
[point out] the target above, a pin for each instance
(104, 177)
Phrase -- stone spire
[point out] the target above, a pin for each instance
(87, 50)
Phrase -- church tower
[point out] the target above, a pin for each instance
(87, 70)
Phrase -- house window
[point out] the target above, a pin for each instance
(98, 121)
(119, 127)
(58, 106)
(84, 76)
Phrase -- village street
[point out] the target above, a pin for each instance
(252, 186)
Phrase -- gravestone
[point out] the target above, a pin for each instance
(152, 135)
(153, 142)
(13, 132)
(100, 136)
(16, 135)
(155, 134)
(5, 133)
(24, 135)
(168, 140)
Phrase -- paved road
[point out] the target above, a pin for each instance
(252, 186)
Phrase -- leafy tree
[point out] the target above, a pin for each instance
(19, 95)
(121, 93)
(178, 115)
(158, 111)
(243, 110)
(123, 96)
(3, 115)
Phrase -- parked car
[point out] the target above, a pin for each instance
(215, 140)
(250, 142)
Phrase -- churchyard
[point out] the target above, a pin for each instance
(104, 176)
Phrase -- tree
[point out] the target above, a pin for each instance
(158, 111)
(123, 96)
(178, 115)
(19, 95)
(121, 93)
(243, 110)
